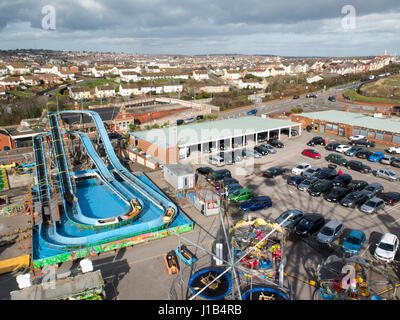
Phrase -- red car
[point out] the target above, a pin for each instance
(311, 153)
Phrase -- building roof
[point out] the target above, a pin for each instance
(355, 119)
(179, 169)
(210, 131)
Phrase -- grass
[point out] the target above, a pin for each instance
(356, 96)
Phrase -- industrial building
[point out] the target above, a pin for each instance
(193, 141)
(381, 130)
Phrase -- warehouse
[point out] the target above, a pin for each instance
(384, 131)
(193, 141)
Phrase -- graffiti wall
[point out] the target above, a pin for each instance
(13, 210)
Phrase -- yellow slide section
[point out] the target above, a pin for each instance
(14, 264)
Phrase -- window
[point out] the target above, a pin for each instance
(334, 127)
(379, 136)
(356, 132)
(364, 133)
(328, 126)
(396, 139)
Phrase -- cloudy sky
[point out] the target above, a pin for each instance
(281, 27)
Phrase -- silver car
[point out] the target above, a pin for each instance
(386, 174)
(270, 148)
(307, 183)
(386, 159)
(372, 205)
(252, 153)
(372, 189)
(311, 172)
(330, 231)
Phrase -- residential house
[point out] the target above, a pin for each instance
(105, 91)
(231, 75)
(48, 69)
(10, 82)
(249, 84)
(17, 68)
(133, 68)
(262, 72)
(314, 79)
(129, 76)
(3, 69)
(169, 88)
(200, 75)
(129, 89)
(151, 88)
(30, 80)
(80, 93)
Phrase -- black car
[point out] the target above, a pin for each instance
(317, 140)
(353, 199)
(357, 185)
(296, 96)
(336, 194)
(310, 224)
(295, 180)
(262, 150)
(363, 154)
(362, 142)
(327, 173)
(276, 143)
(204, 170)
(200, 117)
(228, 180)
(293, 132)
(273, 172)
(395, 163)
(358, 166)
(179, 122)
(321, 187)
(331, 146)
(342, 180)
(390, 197)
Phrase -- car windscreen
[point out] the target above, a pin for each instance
(353, 240)
(327, 231)
(386, 246)
(370, 203)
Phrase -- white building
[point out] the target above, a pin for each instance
(199, 75)
(129, 76)
(80, 93)
(105, 91)
(169, 88)
(129, 89)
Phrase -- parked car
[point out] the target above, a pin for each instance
(276, 143)
(252, 111)
(295, 180)
(329, 173)
(373, 189)
(330, 231)
(190, 120)
(393, 150)
(242, 194)
(293, 132)
(332, 146)
(317, 140)
(376, 156)
(251, 153)
(270, 148)
(358, 166)
(386, 160)
(357, 137)
(354, 199)
(231, 188)
(386, 174)
(179, 122)
(309, 224)
(310, 172)
(363, 142)
(311, 153)
(353, 242)
(256, 203)
(342, 148)
(357, 185)
(354, 150)
(365, 154)
(311, 95)
(296, 96)
(342, 180)
(273, 172)
(200, 117)
(395, 163)
(336, 158)
(390, 198)
(291, 222)
(307, 183)
(387, 247)
(218, 175)
(227, 180)
(336, 194)
(204, 170)
(321, 187)
(332, 98)
(300, 168)
(261, 150)
(216, 161)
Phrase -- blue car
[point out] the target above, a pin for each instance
(256, 203)
(232, 187)
(252, 111)
(376, 156)
(353, 242)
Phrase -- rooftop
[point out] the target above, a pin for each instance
(355, 119)
(210, 131)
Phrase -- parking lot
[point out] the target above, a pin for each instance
(304, 256)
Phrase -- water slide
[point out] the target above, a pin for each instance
(158, 200)
(67, 235)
